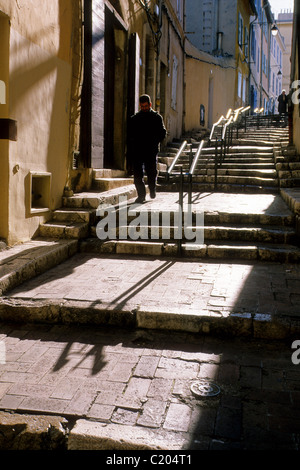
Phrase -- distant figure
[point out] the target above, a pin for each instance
(146, 130)
(282, 103)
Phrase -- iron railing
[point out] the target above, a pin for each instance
(221, 136)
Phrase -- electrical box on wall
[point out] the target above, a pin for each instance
(40, 189)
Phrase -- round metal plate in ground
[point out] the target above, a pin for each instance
(205, 389)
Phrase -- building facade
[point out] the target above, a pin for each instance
(277, 52)
(285, 24)
(71, 73)
(217, 61)
(39, 71)
(295, 77)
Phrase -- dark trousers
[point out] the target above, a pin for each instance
(139, 169)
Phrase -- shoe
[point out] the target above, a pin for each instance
(153, 194)
(140, 200)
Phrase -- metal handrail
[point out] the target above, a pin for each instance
(178, 154)
(222, 118)
(196, 157)
(230, 120)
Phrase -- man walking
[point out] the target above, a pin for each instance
(146, 130)
(282, 103)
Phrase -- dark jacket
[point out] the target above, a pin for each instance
(282, 103)
(145, 131)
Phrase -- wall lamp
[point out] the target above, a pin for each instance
(274, 29)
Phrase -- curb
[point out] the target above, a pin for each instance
(23, 262)
(61, 311)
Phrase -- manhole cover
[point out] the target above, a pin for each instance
(205, 389)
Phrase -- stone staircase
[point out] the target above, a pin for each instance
(251, 169)
(78, 211)
(266, 233)
(288, 167)
(249, 164)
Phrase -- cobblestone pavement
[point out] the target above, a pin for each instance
(187, 290)
(151, 382)
(118, 384)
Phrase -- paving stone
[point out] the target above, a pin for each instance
(178, 417)
(229, 423)
(153, 413)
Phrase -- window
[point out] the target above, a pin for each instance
(265, 64)
(240, 32)
(174, 83)
(179, 9)
(253, 45)
(258, 58)
(246, 42)
(244, 90)
(239, 85)
(265, 25)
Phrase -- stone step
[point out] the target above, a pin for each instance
(240, 149)
(289, 174)
(226, 164)
(73, 220)
(106, 184)
(290, 183)
(221, 187)
(292, 199)
(92, 199)
(236, 166)
(290, 166)
(241, 172)
(108, 173)
(74, 215)
(236, 180)
(215, 250)
(64, 229)
(167, 233)
(23, 262)
(169, 215)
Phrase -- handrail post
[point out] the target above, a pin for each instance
(177, 156)
(216, 163)
(180, 213)
(190, 176)
(190, 189)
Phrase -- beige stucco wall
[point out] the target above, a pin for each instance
(200, 69)
(40, 72)
(171, 44)
(286, 30)
(4, 77)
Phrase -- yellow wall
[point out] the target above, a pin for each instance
(40, 78)
(199, 72)
(241, 60)
(296, 113)
(4, 113)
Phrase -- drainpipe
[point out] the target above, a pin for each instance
(184, 71)
(157, 100)
(261, 62)
(249, 52)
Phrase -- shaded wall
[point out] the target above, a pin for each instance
(39, 76)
